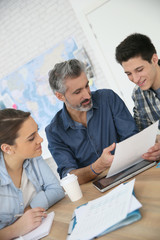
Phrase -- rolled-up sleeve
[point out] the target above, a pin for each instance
(51, 191)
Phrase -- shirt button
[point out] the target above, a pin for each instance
(21, 204)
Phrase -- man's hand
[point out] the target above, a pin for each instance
(157, 138)
(153, 153)
(105, 159)
(85, 174)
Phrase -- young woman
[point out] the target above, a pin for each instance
(27, 185)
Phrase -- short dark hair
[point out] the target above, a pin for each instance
(10, 123)
(133, 46)
(61, 71)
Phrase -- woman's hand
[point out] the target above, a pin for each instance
(30, 220)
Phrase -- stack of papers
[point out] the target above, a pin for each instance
(104, 214)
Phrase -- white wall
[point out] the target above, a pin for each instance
(81, 8)
(28, 28)
(107, 22)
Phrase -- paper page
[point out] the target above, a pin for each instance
(41, 231)
(129, 151)
(134, 204)
(80, 212)
(104, 212)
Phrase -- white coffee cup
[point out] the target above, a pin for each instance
(71, 187)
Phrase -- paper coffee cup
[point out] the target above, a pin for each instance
(71, 187)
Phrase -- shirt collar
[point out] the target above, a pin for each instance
(26, 163)
(68, 122)
(157, 92)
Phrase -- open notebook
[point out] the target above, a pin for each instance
(41, 231)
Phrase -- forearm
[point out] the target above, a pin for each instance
(9, 232)
(89, 173)
(30, 220)
(84, 174)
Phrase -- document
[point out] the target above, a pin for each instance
(134, 205)
(41, 231)
(104, 212)
(129, 151)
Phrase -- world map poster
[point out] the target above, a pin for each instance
(28, 88)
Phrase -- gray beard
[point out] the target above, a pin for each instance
(80, 107)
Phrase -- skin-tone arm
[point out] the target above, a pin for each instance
(29, 221)
(101, 164)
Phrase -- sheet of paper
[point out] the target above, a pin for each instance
(134, 205)
(41, 231)
(129, 151)
(103, 212)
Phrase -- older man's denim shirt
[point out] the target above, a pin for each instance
(74, 146)
(46, 184)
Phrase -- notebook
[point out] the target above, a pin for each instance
(41, 231)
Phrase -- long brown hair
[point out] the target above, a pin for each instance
(10, 123)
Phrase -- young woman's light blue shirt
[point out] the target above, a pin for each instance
(45, 182)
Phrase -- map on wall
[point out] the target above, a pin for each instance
(28, 88)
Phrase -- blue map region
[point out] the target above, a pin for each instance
(28, 88)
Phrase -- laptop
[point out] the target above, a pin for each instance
(103, 184)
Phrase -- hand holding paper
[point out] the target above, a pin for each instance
(130, 151)
(153, 153)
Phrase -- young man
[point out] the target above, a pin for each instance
(139, 59)
(83, 134)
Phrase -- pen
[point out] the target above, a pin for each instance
(18, 215)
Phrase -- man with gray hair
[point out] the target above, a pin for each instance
(82, 135)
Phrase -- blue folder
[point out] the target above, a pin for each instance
(131, 217)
